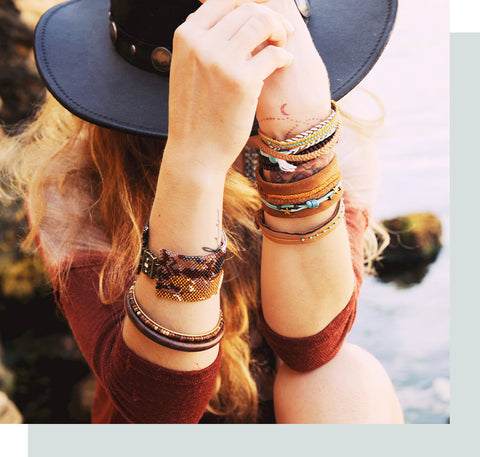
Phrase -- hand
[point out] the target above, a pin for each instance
(296, 97)
(215, 82)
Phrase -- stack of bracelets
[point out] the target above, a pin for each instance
(308, 196)
(197, 278)
(179, 278)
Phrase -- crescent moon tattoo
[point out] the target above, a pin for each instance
(282, 109)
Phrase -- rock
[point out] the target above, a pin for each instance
(9, 413)
(415, 241)
(20, 85)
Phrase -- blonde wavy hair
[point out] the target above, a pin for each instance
(80, 175)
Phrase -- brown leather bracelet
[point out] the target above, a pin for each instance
(270, 190)
(301, 238)
(325, 183)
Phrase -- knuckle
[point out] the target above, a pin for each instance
(181, 34)
(250, 7)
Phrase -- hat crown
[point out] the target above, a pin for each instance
(151, 21)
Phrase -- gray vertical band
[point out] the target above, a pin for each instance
(465, 217)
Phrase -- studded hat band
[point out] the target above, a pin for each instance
(147, 56)
(152, 57)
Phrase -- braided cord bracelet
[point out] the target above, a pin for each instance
(257, 142)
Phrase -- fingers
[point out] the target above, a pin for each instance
(250, 25)
(213, 10)
(270, 59)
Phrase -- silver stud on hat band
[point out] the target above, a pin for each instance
(146, 56)
(161, 58)
(113, 32)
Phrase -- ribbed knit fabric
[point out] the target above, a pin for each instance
(131, 389)
(308, 353)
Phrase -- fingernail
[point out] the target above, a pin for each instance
(290, 27)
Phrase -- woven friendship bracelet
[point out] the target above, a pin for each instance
(257, 142)
(180, 277)
(315, 134)
(169, 338)
(301, 238)
(300, 146)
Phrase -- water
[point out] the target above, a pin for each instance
(407, 328)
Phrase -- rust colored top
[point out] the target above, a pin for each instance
(131, 389)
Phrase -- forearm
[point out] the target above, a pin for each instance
(305, 286)
(186, 218)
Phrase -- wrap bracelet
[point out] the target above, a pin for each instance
(168, 338)
(301, 238)
(305, 197)
(316, 203)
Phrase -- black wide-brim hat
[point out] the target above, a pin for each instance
(107, 61)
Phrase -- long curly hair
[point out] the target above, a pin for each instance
(92, 188)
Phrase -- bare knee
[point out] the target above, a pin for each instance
(352, 388)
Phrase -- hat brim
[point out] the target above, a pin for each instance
(81, 68)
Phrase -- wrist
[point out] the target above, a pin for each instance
(192, 173)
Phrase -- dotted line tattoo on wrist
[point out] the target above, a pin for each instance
(286, 117)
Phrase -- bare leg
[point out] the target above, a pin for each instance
(353, 388)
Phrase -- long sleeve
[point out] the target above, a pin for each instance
(308, 353)
(129, 388)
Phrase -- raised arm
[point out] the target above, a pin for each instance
(304, 287)
(214, 89)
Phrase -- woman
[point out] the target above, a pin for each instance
(94, 189)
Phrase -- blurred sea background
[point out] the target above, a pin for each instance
(403, 319)
(405, 322)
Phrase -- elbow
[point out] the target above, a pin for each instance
(311, 352)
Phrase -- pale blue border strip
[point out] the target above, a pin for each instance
(465, 217)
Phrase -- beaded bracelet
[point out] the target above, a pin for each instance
(169, 338)
(182, 277)
(300, 238)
